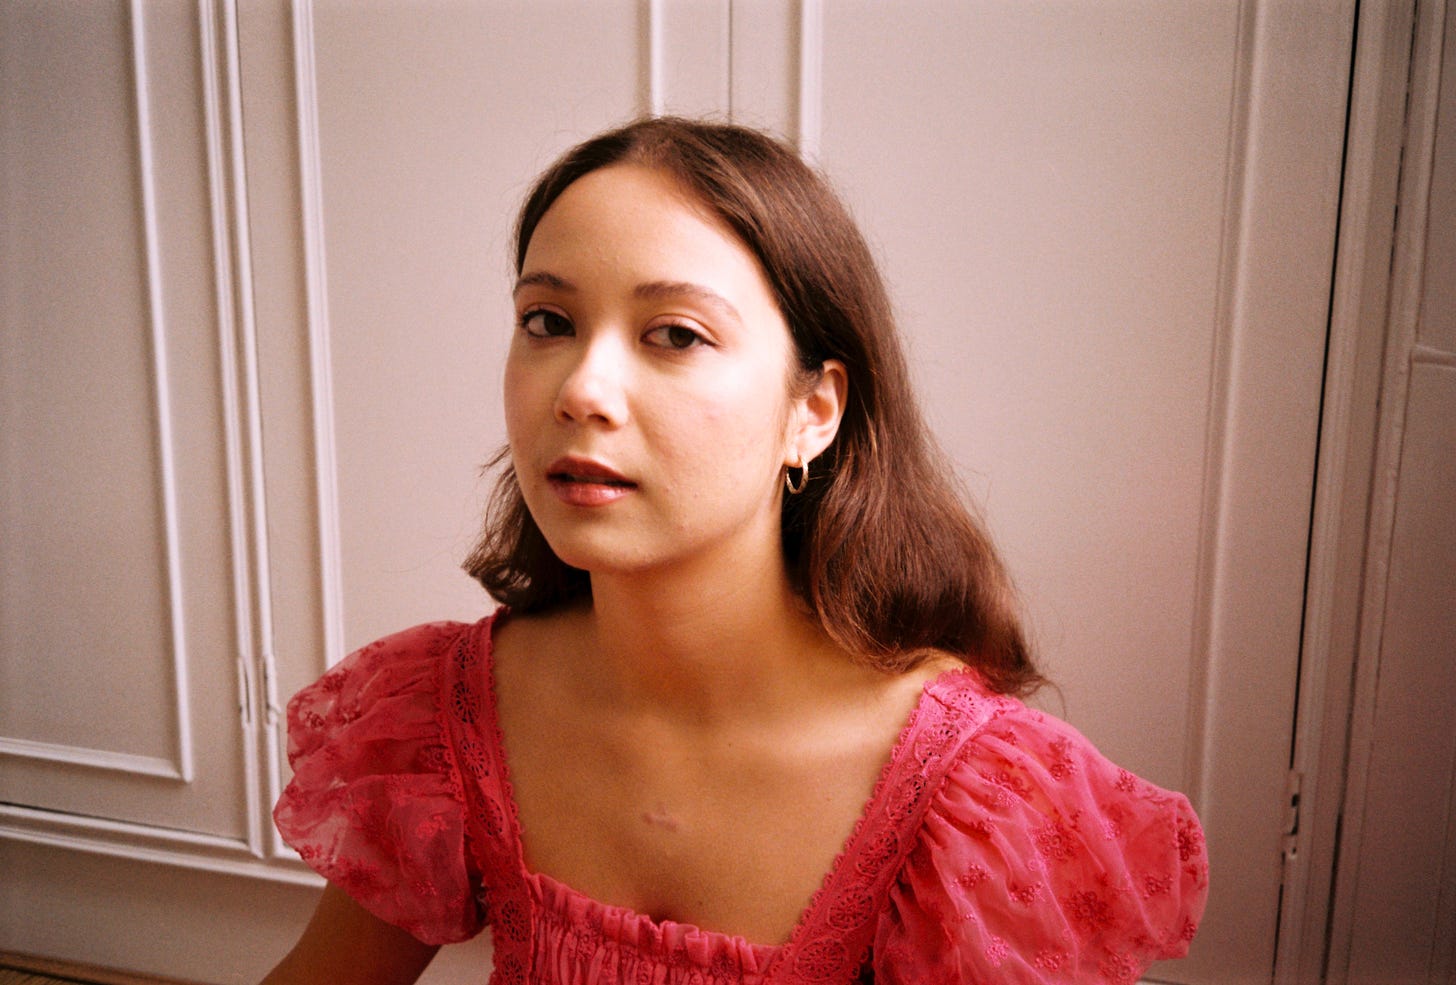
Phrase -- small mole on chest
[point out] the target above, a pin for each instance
(660, 818)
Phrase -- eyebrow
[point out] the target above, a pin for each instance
(659, 290)
(540, 278)
(656, 290)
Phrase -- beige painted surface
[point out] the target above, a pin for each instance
(118, 688)
(1399, 876)
(1051, 218)
(1394, 906)
(1108, 229)
(1438, 300)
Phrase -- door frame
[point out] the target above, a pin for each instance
(1390, 142)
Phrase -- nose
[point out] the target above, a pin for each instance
(595, 386)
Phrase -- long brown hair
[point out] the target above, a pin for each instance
(880, 543)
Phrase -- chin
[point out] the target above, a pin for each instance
(596, 557)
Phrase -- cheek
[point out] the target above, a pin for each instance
(519, 397)
(745, 427)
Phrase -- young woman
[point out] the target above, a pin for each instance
(749, 710)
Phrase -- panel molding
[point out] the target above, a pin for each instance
(656, 88)
(181, 766)
(161, 381)
(810, 124)
(790, 35)
(239, 383)
(146, 843)
(1217, 439)
(321, 395)
(103, 759)
(702, 85)
(315, 273)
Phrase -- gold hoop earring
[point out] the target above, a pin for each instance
(789, 484)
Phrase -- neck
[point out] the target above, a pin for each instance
(704, 646)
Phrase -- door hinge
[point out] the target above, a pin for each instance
(1289, 842)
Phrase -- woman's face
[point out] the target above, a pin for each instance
(647, 388)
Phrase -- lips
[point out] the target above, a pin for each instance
(582, 482)
(585, 471)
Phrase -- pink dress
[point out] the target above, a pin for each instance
(998, 847)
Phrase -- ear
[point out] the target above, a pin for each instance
(817, 414)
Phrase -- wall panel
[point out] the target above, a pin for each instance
(121, 601)
(83, 503)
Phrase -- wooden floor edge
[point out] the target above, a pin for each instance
(81, 972)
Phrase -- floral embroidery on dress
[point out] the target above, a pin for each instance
(1055, 842)
(1025, 895)
(1062, 767)
(972, 877)
(1048, 960)
(1090, 911)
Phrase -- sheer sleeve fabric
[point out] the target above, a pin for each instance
(375, 805)
(1041, 862)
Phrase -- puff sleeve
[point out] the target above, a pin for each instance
(375, 805)
(1039, 861)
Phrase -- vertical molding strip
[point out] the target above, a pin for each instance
(811, 79)
(253, 405)
(1288, 112)
(1401, 340)
(656, 97)
(725, 94)
(225, 291)
(331, 589)
(262, 649)
(1217, 441)
(161, 381)
(238, 345)
(310, 166)
(1346, 463)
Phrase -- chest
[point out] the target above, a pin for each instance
(731, 833)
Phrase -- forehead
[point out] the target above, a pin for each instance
(633, 211)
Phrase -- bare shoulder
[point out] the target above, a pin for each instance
(872, 705)
(931, 665)
(936, 662)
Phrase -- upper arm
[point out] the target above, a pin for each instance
(345, 944)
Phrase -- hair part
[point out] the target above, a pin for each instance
(881, 544)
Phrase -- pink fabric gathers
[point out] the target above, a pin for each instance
(999, 846)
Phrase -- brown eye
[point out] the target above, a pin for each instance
(543, 324)
(680, 338)
(675, 337)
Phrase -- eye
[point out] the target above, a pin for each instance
(542, 323)
(675, 337)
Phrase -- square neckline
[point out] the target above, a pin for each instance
(560, 896)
